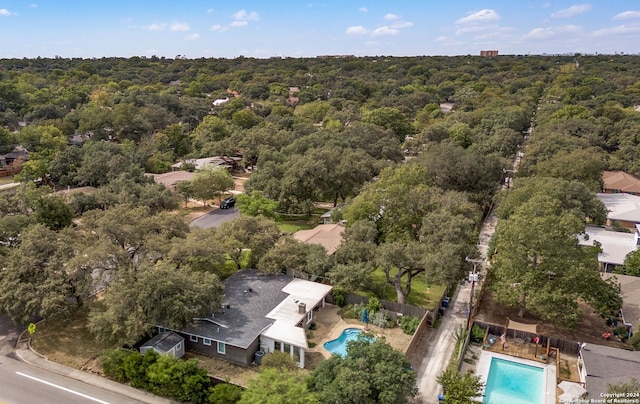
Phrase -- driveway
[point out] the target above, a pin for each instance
(215, 218)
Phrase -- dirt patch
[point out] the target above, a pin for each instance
(225, 370)
(70, 343)
(589, 328)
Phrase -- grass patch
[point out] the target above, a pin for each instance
(291, 224)
(67, 340)
(422, 294)
(6, 180)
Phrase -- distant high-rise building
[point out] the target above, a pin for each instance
(489, 52)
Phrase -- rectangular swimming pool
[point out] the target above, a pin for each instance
(514, 383)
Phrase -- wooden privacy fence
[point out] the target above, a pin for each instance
(392, 307)
(419, 334)
(566, 347)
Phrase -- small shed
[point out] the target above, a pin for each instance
(166, 343)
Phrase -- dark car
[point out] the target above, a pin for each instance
(228, 203)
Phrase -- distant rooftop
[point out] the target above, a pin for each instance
(327, 235)
(621, 206)
(619, 181)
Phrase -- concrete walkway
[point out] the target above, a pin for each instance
(26, 354)
(443, 339)
(9, 186)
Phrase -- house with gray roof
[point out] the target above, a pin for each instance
(603, 365)
(260, 312)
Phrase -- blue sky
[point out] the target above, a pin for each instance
(265, 28)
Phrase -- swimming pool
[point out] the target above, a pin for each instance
(339, 345)
(514, 383)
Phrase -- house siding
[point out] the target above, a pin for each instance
(233, 354)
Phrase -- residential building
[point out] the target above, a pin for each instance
(327, 235)
(488, 53)
(260, 313)
(618, 181)
(165, 343)
(604, 365)
(622, 209)
(615, 245)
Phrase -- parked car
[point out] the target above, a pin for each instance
(228, 203)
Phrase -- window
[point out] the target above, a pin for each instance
(179, 346)
(221, 348)
(161, 330)
(277, 346)
(193, 338)
(206, 341)
(309, 316)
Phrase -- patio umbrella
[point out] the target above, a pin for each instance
(365, 318)
(572, 388)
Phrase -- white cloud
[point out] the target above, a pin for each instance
(571, 11)
(33, 5)
(384, 31)
(391, 17)
(243, 15)
(479, 16)
(363, 9)
(239, 23)
(618, 30)
(371, 43)
(209, 11)
(441, 38)
(5, 12)
(357, 30)
(626, 15)
(545, 33)
(157, 27)
(179, 27)
(401, 24)
(475, 28)
(219, 28)
(192, 37)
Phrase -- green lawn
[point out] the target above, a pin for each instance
(422, 294)
(291, 224)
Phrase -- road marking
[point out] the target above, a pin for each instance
(62, 388)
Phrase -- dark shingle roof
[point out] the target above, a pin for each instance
(250, 296)
(163, 342)
(607, 365)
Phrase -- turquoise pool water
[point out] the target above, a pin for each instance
(514, 383)
(339, 345)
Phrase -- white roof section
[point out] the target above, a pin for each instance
(221, 161)
(615, 245)
(621, 206)
(289, 334)
(300, 292)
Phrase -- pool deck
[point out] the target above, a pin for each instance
(550, 372)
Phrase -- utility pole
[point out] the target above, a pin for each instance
(473, 278)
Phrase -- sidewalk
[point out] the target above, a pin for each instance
(26, 354)
(442, 340)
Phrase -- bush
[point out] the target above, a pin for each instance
(278, 360)
(353, 311)
(339, 297)
(634, 340)
(113, 364)
(379, 319)
(477, 333)
(409, 324)
(374, 305)
(313, 326)
(224, 393)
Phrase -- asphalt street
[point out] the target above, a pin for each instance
(21, 383)
(215, 218)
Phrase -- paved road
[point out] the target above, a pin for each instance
(215, 218)
(8, 335)
(21, 383)
(443, 340)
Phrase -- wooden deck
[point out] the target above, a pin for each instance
(520, 349)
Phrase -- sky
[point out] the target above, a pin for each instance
(268, 28)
